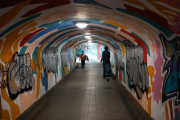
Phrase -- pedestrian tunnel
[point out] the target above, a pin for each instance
(39, 40)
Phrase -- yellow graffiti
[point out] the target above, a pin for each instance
(39, 70)
(32, 65)
(166, 111)
(169, 50)
(122, 49)
(151, 74)
(115, 24)
(39, 66)
(8, 16)
(13, 38)
(15, 111)
(149, 105)
(66, 70)
(5, 115)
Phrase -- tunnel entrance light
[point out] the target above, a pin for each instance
(87, 36)
(81, 24)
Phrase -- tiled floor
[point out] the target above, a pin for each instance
(85, 95)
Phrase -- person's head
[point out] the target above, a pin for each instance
(106, 48)
(82, 52)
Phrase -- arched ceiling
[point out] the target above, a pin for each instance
(35, 23)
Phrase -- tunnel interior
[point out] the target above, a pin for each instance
(39, 40)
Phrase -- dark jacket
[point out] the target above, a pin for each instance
(105, 56)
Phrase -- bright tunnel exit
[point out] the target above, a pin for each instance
(94, 53)
(92, 50)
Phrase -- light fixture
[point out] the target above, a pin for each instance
(81, 24)
(90, 41)
(87, 36)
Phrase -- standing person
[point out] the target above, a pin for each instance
(83, 58)
(106, 63)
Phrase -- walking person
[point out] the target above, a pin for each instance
(83, 58)
(106, 63)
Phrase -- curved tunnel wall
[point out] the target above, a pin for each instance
(144, 35)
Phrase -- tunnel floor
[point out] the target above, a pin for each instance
(85, 95)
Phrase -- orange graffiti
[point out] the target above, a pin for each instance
(5, 115)
(39, 66)
(115, 24)
(66, 70)
(166, 110)
(149, 105)
(14, 37)
(15, 111)
(32, 65)
(151, 74)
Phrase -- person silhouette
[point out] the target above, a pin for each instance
(106, 63)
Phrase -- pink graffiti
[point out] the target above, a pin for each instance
(157, 77)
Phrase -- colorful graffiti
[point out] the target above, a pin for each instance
(85, 47)
(20, 77)
(171, 54)
(49, 57)
(65, 57)
(119, 58)
(33, 58)
(136, 69)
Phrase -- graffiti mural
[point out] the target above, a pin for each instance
(20, 75)
(119, 58)
(85, 47)
(136, 69)
(49, 57)
(33, 26)
(3, 77)
(65, 56)
(171, 84)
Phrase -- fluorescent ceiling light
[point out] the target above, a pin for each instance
(81, 24)
(87, 36)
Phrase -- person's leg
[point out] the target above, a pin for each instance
(81, 63)
(106, 70)
(103, 71)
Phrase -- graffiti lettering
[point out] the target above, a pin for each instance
(137, 70)
(50, 59)
(119, 60)
(171, 84)
(20, 75)
(65, 56)
(85, 47)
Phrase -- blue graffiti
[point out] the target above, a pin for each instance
(171, 84)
